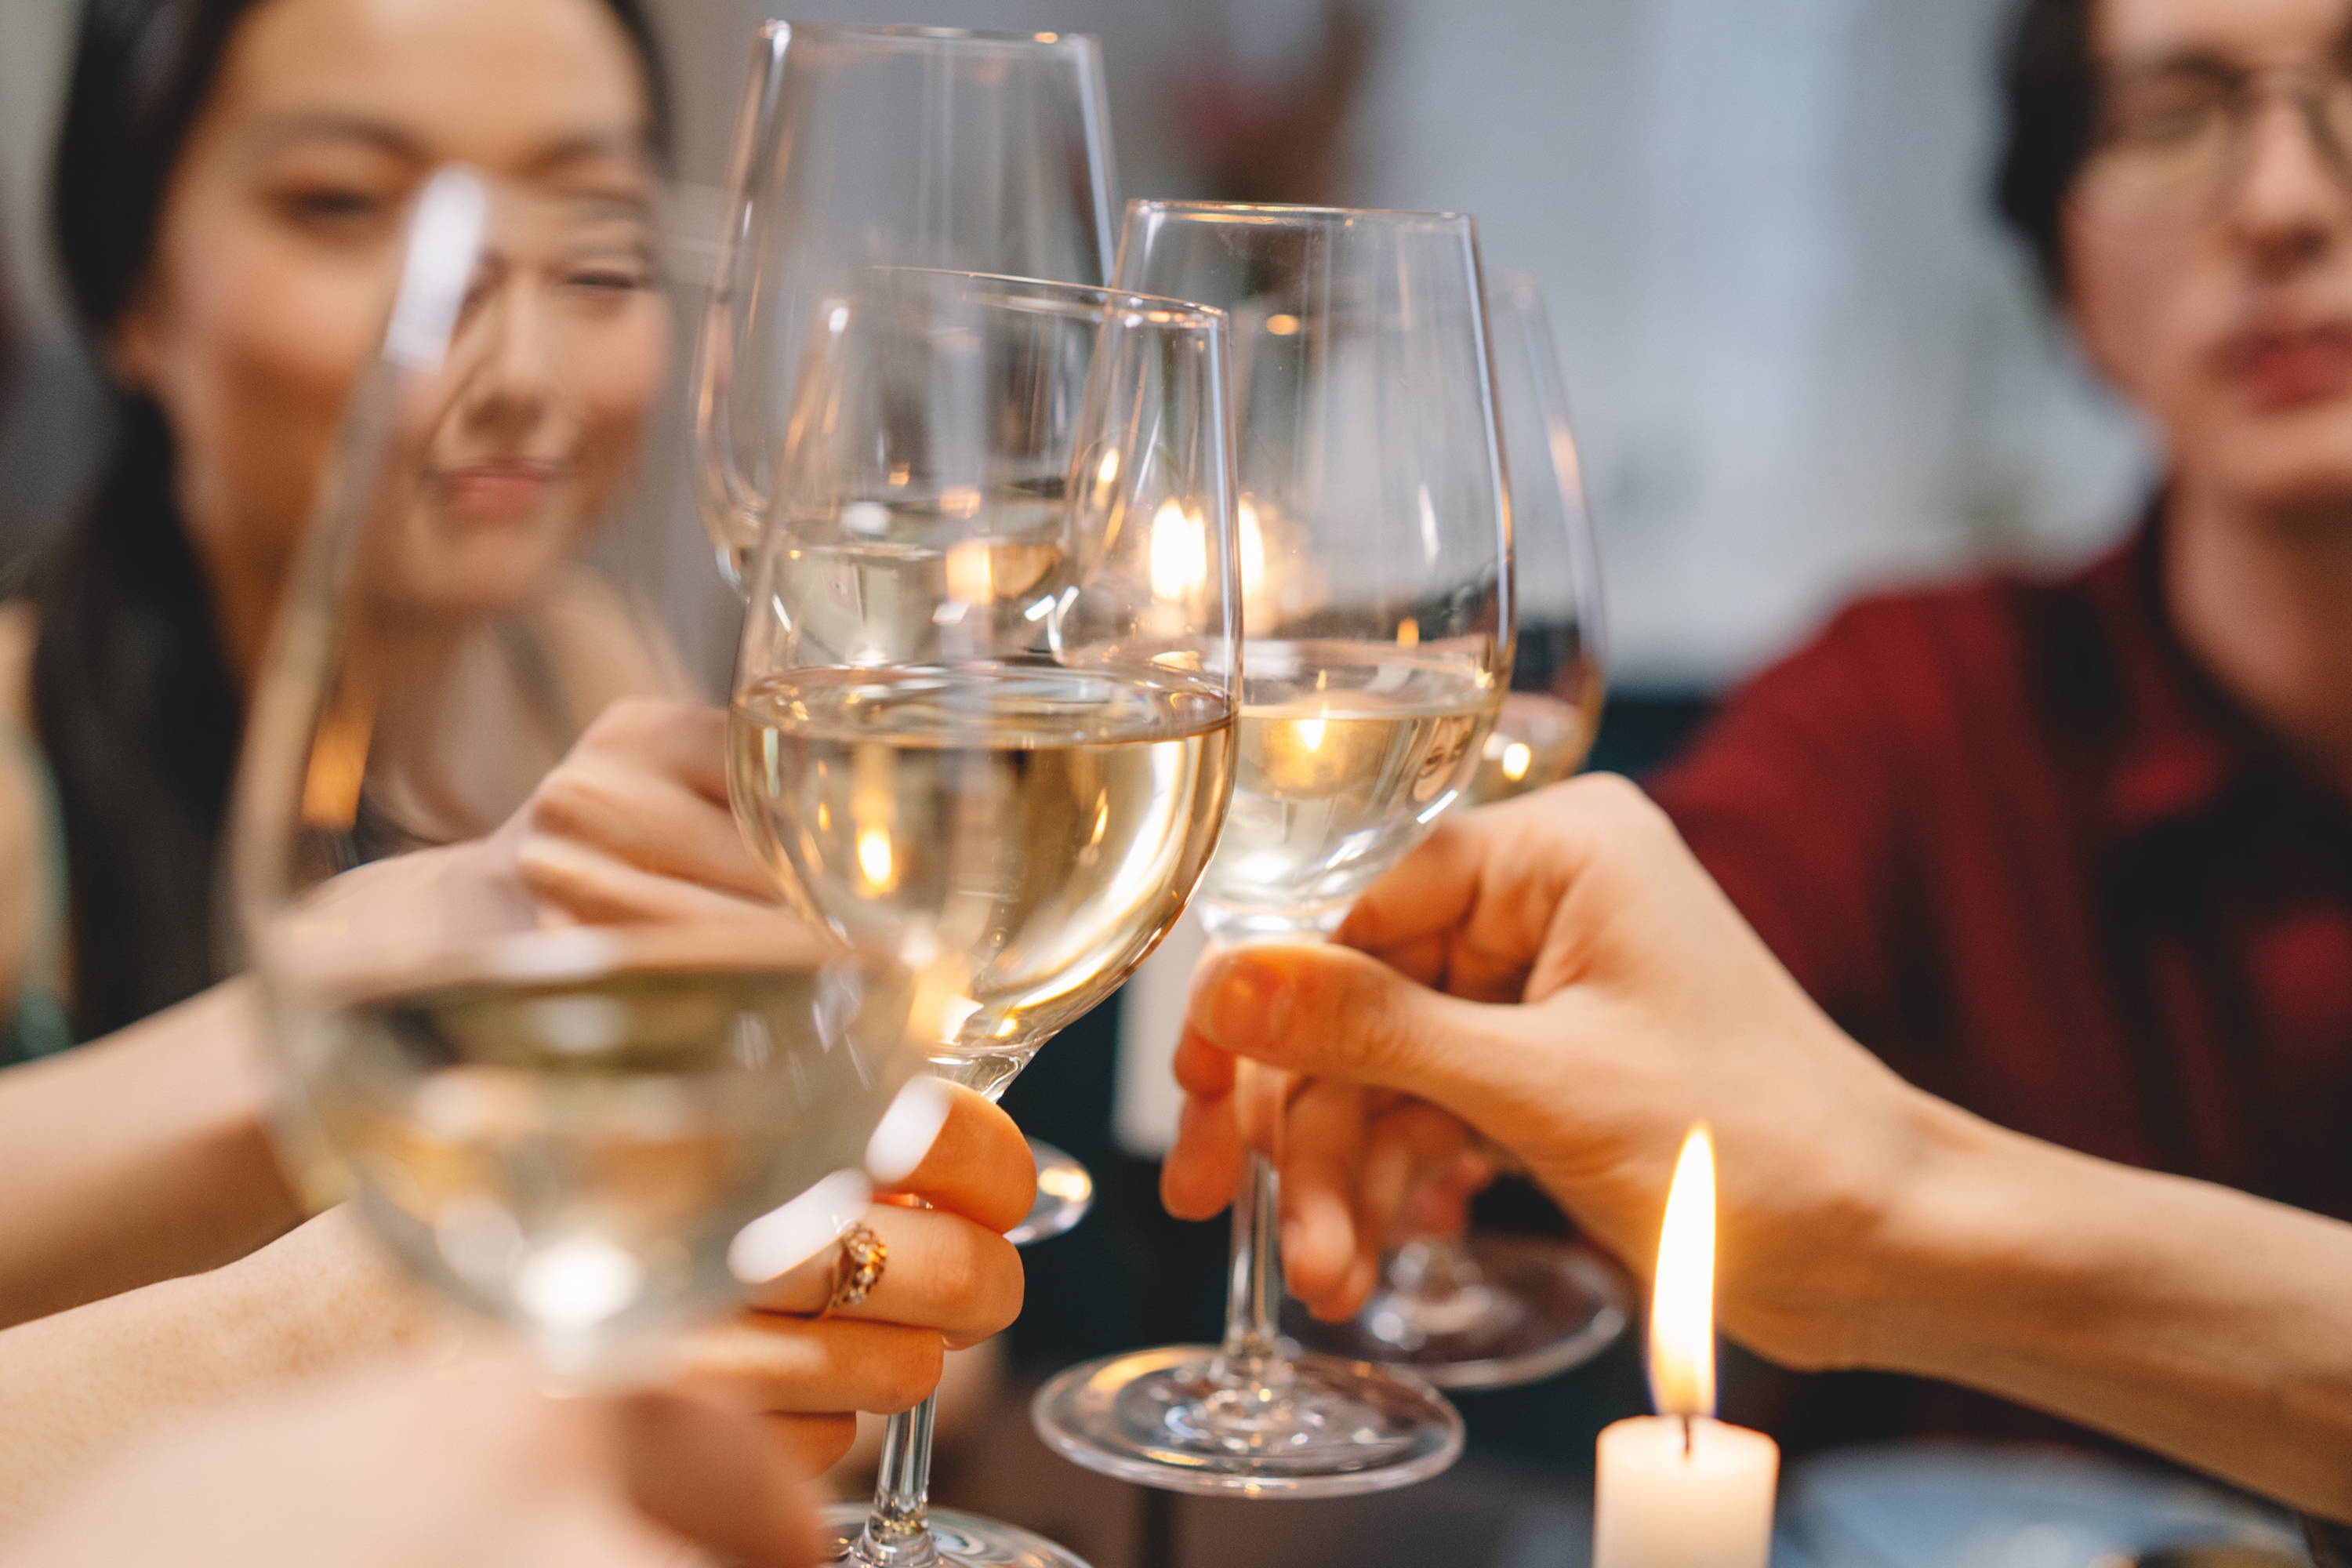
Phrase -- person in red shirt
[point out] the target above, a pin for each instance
(2076, 854)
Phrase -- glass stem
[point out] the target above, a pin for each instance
(1434, 1264)
(1250, 1356)
(898, 1532)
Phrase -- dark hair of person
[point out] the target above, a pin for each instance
(2050, 113)
(133, 698)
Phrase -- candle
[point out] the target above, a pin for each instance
(1681, 1490)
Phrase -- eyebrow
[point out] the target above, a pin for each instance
(281, 131)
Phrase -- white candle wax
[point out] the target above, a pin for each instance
(1657, 1505)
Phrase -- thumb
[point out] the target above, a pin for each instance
(1333, 1012)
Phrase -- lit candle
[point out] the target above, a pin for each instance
(1681, 1490)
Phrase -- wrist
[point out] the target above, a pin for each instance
(1823, 1261)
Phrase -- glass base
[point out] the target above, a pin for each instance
(1066, 1191)
(957, 1539)
(1529, 1308)
(1338, 1428)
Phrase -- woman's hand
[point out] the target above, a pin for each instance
(458, 1465)
(634, 824)
(1561, 974)
(324, 1297)
(949, 1280)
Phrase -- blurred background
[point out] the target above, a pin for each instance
(1803, 361)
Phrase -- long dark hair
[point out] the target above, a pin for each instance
(131, 695)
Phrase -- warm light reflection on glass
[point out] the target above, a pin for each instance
(1409, 632)
(1682, 1308)
(1310, 734)
(873, 858)
(1068, 1183)
(1179, 563)
(1253, 548)
(972, 574)
(1517, 760)
(1282, 326)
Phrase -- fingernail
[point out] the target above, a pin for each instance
(783, 1238)
(1248, 1000)
(903, 1138)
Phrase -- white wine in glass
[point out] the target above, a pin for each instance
(859, 146)
(1374, 534)
(1001, 749)
(563, 1127)
(1492, 1311)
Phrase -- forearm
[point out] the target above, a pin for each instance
(137, 1158)
(2192, 1320)
(79, 1387)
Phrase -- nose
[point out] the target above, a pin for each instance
(2291, 205)
(514, 377)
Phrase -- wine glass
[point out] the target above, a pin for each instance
(1375, 545)
(1488, 1311)
(984, 703)
(561, 1126)
(859, 146)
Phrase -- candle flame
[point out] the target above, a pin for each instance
(1682, 1307)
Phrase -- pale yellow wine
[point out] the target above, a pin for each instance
(1020, 835)
(1347, 752)
(573, 1154)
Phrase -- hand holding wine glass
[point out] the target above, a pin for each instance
(1479, 1311)
(1375, 546)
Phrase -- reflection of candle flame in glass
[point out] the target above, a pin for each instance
(1682, 1309)
(1253, 547)
(1282, 326)
(1409, 632)
(1310, 734)
(1516, 761)
(874, 861)
(1109, 471)
(972, 575)
(1179, 554)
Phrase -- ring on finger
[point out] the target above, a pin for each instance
(856, 1270)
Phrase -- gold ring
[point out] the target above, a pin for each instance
(857, 1270)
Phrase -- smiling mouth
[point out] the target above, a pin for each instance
(498, 491)
(2288, 367)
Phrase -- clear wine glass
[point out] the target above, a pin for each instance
(1375, 545)
(861, 146)
(563, 1127)
(1491, 1311)
(984, 706)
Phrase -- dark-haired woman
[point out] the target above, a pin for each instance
(231, 181)
(2077, 854)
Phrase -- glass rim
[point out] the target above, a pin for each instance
(1296, 212)
(1164, 311)
(913, 34)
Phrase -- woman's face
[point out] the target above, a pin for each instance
(2210, 247)
(276, 249)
